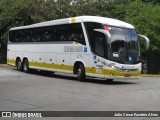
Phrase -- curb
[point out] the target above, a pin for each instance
(4, 65)
(150, 75)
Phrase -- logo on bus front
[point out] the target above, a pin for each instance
(128, 67)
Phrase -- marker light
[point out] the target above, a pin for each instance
(112, 67)
(106, 28)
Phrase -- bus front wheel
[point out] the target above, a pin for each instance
(19, 64)
(25, 65)
(81, 73)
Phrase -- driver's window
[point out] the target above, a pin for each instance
(99, 44)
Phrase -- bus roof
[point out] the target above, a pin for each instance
(103, 20)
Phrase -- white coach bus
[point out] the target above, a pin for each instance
(88, 46)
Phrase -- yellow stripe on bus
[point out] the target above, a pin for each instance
(111, 72)
(73, 20)
(53, 66)
(11, 61)
(87, 69)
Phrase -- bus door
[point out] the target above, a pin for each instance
(98, 66)
(99, 49)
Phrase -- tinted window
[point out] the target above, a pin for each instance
(99, 44)
(68, 32)
(15, 36)
(90, 26)
(47, 34)
(76, 33)
(41, 34)
(27, 36)
(36, 36)
(62, 33)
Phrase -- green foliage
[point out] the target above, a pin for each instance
(145, 17)
(151, 1)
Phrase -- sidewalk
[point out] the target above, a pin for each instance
(5, 65)
(150, 75)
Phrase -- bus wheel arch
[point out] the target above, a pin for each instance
(25, 65)
(79, 70)
(18, 64)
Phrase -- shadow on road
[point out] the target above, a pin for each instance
(88, 80)
(99, 81)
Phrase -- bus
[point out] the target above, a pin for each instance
(87, 46)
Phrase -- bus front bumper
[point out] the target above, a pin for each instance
(123, 75)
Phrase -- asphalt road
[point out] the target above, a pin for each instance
(39, 92)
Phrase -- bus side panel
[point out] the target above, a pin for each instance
(11, 58)
(49, 57)
(63, 62)
(12, 54)
(47, 61)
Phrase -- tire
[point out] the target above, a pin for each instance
(25, 66)
(81, 73)
(19, 65)
(109, 80)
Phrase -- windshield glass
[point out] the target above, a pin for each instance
(124, 46)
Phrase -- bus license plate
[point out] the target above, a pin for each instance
(127, 75)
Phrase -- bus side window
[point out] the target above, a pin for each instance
(27, 37)
(16, 36)
(11, 36)
(36, 35)
(46, 34)
(62, 33)
(76, 33)
(90, 26)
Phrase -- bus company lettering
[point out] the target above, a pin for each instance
(73, 49)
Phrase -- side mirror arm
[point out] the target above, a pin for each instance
(147, 40)
(106, 33)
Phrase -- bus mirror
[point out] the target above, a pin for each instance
(106, 33)
(147, 40)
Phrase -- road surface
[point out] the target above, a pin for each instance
(39, 92)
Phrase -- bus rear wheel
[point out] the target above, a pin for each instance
(81, 73)
(25, 65)
(19, 64)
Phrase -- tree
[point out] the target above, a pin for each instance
(17, 13)
(152, 1)
(145, 17)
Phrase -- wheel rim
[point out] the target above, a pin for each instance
(25, 66)
(79, 72)
(19, 65)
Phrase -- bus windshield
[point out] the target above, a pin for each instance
(124, 47)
